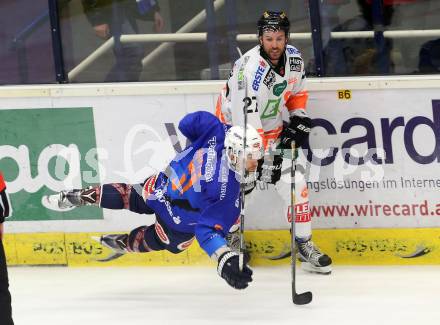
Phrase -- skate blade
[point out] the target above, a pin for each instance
(51, 202)
(285, 253)
(112, 256)
(96, 238)
(308, 267)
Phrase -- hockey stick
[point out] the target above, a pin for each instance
(305, 297)
(247, 103)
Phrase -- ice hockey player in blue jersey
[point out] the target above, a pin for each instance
(196, 196)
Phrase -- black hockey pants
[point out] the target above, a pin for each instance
(5, 296)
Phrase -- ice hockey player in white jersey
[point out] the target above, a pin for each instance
(271, 75)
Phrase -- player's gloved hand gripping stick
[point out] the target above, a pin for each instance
(228, 269)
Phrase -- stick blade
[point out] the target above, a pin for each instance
(302, 298)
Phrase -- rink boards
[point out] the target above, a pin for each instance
(373, 167)
(345, 246)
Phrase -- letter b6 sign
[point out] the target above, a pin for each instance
(344, 94)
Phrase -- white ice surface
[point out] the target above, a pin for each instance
(196, 295)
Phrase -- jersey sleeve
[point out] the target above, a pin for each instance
(195, 124)
(217, 219)
(296, 100)
(223, 105)
(209, 238)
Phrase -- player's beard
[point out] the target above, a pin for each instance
(274, 54)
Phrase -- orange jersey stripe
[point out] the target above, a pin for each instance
(263, 137)
(274, 131)
(218, 110)
(297, 101)
(269, 136)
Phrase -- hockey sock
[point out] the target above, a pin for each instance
(144, 239)
(122, 196)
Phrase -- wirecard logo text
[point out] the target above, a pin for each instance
(422, 147)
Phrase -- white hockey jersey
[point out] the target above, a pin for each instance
(269, 91)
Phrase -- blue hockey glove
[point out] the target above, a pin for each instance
(228, 269)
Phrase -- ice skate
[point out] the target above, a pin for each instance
(67, 200)
(55, 202)
(312, 259)
(116, 242)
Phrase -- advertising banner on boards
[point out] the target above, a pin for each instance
(373, 159)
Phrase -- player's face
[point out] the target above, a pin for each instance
(274, 43)
(251, 164)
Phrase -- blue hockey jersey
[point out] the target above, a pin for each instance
(198, 193)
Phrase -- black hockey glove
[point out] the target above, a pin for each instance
(297, 130)
(269, 169)
(249, 183)
(228, 269)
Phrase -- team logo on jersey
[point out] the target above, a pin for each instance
(279, 88)
(177, 220)
(292, 81)
(270, 79)
(224, 175)
(211, 160)
(295, 64)
(271, 109)
(240, 75)
(240, 78)
(258, 75)
(293, 50)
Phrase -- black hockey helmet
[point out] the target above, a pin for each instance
(273, 21)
